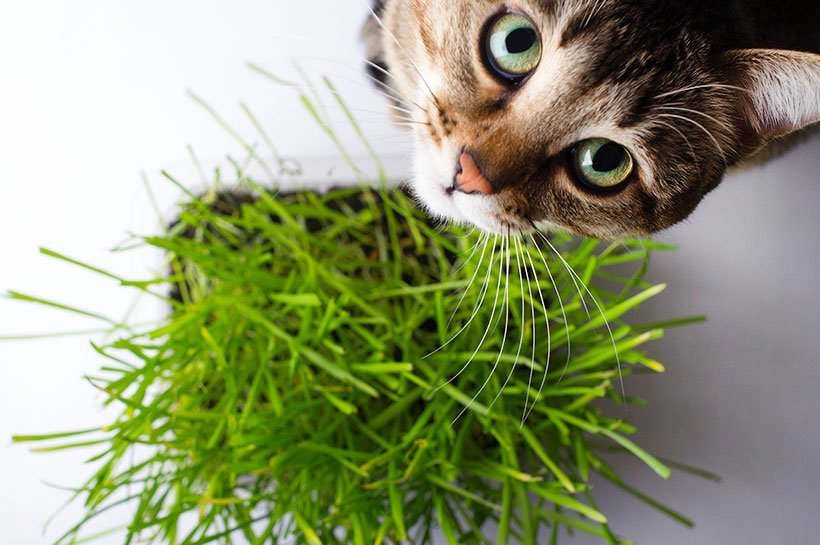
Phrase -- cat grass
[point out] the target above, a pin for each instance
(336, 369)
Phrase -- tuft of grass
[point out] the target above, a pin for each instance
(334, 369)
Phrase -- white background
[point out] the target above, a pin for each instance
(93, 93)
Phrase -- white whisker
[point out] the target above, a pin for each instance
(704, 86)
(482, 240)
(387, 91)
(391, 92)
(402, 48)
(707, 116)
(521, 328)
(688, 143)
(482, 296)
(701, 127)
(472, 279)
(385, 115)
(400, 109)
(489, 322)
(522, 244)
(506, 305)
(411, 124)
(383, 71)
(717, 122)
(597, 304)
(546, 317)
(592, 13)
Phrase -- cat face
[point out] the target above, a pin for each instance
(603, 118)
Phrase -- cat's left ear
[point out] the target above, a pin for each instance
(780, 92)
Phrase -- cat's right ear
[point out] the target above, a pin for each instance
(779, 93)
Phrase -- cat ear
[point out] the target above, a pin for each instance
(780, 92)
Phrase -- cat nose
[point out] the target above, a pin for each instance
(469, 178)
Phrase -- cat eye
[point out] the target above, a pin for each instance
(601, 164)
(512, 46)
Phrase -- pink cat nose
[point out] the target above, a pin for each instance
(469, 178)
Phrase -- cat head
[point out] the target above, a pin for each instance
(599, 117)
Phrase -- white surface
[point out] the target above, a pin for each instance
(94, 92)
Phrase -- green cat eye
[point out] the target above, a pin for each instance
(512, 46)
(601, 164)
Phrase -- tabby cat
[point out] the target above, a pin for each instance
(606, 118)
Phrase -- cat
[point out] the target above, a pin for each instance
(605, 118)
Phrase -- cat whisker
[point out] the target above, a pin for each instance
(482, 297)
(645, 259)
(411, 121)
(721, 124)
(403, 49)
(395, 120)
(701, 127)
(569, 350)
(580, 296)
(386, 115)
(468, 234)
(382, 88)
(431, 96)
(397, 98)
(528, 411)
(522, 322)
(703, 86)
(470, 284)
(381, 70)
(578, 290)
(563, 315)
(400, 109)
(522, 244)
(408, 124)
(475, 312)
(682, 135)
(506, 306)
(395, 95)
(386, 91)
(572, 272)
(482, 240)
(598, 5)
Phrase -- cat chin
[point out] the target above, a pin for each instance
(436, 201)
(485, 214)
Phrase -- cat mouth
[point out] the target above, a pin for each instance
(487, 213)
